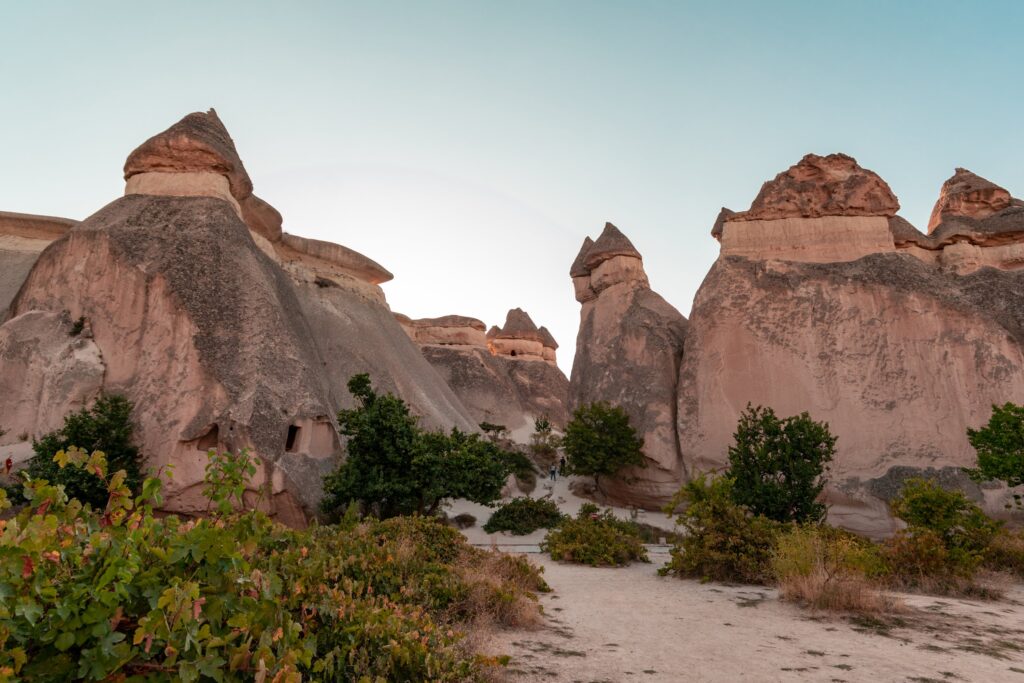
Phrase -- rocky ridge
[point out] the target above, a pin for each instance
(507, 376)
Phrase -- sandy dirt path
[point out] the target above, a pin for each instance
(628, 624)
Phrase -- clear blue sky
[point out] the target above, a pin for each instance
(470, 146)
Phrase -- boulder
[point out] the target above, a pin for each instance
(628, 351)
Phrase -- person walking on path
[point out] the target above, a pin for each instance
(553, 473)
(561, 466)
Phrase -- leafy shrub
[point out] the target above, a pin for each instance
(105, 427)
(777, 465)
(722, 541)
(120, 593)
(521, 516)
(1000, 447)
(600, 441)
(945, 542)
(829, 569)
(595, 538)
(395, 468)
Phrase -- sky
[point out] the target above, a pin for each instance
(469, 147)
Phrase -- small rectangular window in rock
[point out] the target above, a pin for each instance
(291, 443)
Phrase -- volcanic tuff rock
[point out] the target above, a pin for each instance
(501, 377)
(223, 334)
(968, 195)
(22, 238)
(833, 185)
(628, 352)
(899, 346)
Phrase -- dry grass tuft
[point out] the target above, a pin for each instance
(844, 591)
(501, 590)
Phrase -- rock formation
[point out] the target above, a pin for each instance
(824, 300)
(22, 238)
(507, 376)
(222, 330)
(628, 352)
(966, 195)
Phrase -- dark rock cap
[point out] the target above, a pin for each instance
(611, 243)
(968, 195)
(818, 186)
(546, 338)
(518, 325)
(448, 321)
(198, 142)
(578, 268)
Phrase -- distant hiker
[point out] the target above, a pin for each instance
(561, 466)
(553, 473)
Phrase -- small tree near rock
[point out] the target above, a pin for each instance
(600, 441)
(778, 465)
(1000, 447)
(395, 468)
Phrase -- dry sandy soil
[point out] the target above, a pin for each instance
(629, 624)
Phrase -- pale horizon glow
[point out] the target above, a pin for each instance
(469, 147)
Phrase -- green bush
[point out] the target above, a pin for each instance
(778, 465)
(595, 538)
(722, 541)
(121, 594)
(106, 427)
(395, 468)
(521, 516)
(599, 441)
(946, 539)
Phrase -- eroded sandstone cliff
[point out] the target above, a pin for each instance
(832, 304)
(224, 331)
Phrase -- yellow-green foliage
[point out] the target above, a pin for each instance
(946, 539)
(723, 541)
(830, 569)
(1006, 553)
(595, 538)
(120, 594)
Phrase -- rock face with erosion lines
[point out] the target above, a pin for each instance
(824, 300)
(221, 329)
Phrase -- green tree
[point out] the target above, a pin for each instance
(778, 465)
(600, 441)
(395, 468)
(106, 427)
(1000, 447)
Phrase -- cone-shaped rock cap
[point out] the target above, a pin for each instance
(546, 338)
(518, 325)
(611, 243)
(817, 186)
(969, 195)
(578, 268)
(197, 143)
